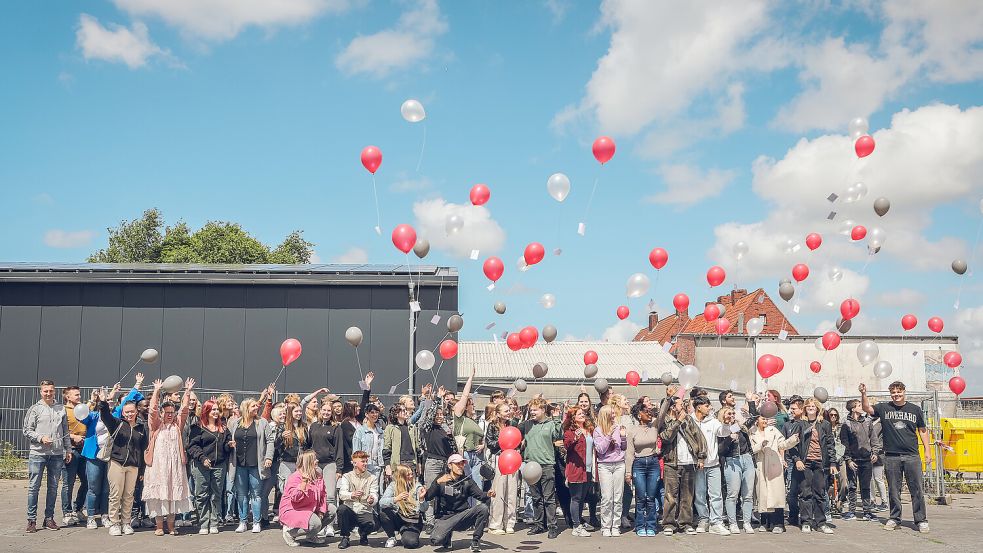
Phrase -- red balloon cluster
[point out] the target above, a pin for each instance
(623, 312)
(849, 309)
(815, 367)
(935, 325)
(590, 357)
(513, 341)
(814, 240)
(858, 232)
(769, 365)
(658, 257)
(711, 312)
(716, 276)
(525, 338)
(957, 385)
(480, 194)
(831, 340)
(800, 272)
(680, 302)
(289, 351)
(493, 268)
(509, 438)
(952, 359)
(603, 149)
(632, 378)
(509, 461)
(448, 349)
(909, 322)
(404, 238)
(534, 253)
(864, 146)
(371, 158)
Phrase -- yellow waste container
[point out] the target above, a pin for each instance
(965, 438)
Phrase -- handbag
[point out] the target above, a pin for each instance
(107, 448)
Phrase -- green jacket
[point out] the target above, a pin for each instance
(392, 442)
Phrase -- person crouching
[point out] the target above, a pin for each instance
(304, 509)
(451, 492)
(359, 492)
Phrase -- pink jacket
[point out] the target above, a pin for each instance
(297, 506)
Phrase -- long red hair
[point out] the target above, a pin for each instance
(569, 423)
(206, 411)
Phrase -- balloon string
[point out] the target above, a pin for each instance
(422, 147)
(972, 260)
(437, 372)
(129, 371)
(378, 217)
(590, 201)
(279, 374)
(408, 377)
(359, 363)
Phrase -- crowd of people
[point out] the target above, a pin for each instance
(427, 466)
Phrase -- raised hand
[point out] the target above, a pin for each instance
(158, 384)
(115, 390)
(862, 388)
(138, 381)
(369, 377)
(189, 383)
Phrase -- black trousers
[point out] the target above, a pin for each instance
(476, 515)
(543, 495)
(393, 523)
(812, 492)
(562, 493)
(348, 519)
(862, 473)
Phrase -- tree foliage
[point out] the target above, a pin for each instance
(147, 240)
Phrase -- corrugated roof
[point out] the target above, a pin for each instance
(495, 361)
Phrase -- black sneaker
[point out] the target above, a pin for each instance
(446, 546)
(344, 543)
(554, 532)
(363, 539)
(536, 530)
(475, 546)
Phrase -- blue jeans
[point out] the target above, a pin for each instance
(75, 470)
(36, 464)
(97, 497)
(708, 484)
(739, 472)
(646, 475)
(248, 487)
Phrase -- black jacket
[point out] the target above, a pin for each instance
(452, 498)
(205, 444)
(799, 452)
(290, 453)
(128, 442)
(323, 438)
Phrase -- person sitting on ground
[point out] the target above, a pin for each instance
(358, 491)
(451, 493)
(400, 507)
(304, 509)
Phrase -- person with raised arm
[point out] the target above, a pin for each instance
(128, 440)
(165, 482)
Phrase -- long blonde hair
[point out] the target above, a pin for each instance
(405, 481)
(605, 419)
(307, 465)
(245, 418)
(289, 430)
(815, 403)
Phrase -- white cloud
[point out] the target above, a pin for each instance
(409, 42)
(481, 232)
(905, 297)
(57, 238)
(354, 256)
(621, 331)
(404, 183)
(219, 20)
(558, 8)
(116, 43)
(968, 325)
(687, 185)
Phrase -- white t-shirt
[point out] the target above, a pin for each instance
(683, 455)
(710, 426)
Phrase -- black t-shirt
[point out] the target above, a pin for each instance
(246, 446)
(899, 427)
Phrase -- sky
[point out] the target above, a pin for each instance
(730, 119)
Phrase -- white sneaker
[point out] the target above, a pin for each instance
(203, 531)
(719, 529)
(923, 527)
(390, 543)
(890, 524)
(127, 530)
(91, 524)
(241, 528)
(69, 519)
(701, 527)
(777, 530)
(257, 528)
(806, 529)
(330, 531)
(748, 529)
(615, 532)
(735, 529)
(606, 533)
(213, 529)
(667, 531)
(115, 531)
(290, 541)
(825, 529)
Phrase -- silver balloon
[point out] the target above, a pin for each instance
(520, 385)
(754, 326)
(532, 472)
(876, 237)
(689, 376)
(453, 223)
(548, 301)
(881, 206)
(791, 246)
(173, 383)
(785, 281)
(860, 189)
(539, 370)
(590, 371)
(768, 409)
(601, 385)
(722, 308)
(843, 325)
(846, 226)
(558, 186)
(455, 323)
(354, 336)
(666, 378)
(413, 111)
(149, 355)
(637, 285)
(819, 344)
(740, 250)
(867, 352)
(499, 307)
(858, 127)
(820, 394)
(786, 291)
(549, 333)
(421, 248)
(835, 274)
(521, 264)
(883, 369)
(425, 359)
(81, 411)
(959, 267)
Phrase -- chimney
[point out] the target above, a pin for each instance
(737, 294)
(653, 320)
(740, 323)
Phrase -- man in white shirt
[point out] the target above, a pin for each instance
(708, 477)
(358, 491)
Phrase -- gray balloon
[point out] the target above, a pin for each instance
(354, 336)
(590, 371)
(722, 308)
(959, 266)
(768, 409)
(499, 307)
(601, 385)
(549, 333)
(667, 378)
(455, 323)
(820, 394)
(881, 206)
(173, 383)
(786, 291)
(148, 356)
(539, 370)
(421, 248)
(843, 326)
(532, 472)
(785, 281)
(520, 385)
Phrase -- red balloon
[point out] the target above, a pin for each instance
(800, 272)
(603, 149)
(831, 340)
(480, 194)
(371, 159)
(658, 257)
(509, 461)
(448, 349)
(509, 438)
(957, 385)
(404, 238)
(590, 357)
(769, 365)
(711, 312)
(722, 325)
(935, 324)
(493, 268)
(815, 367)
(953, 359)
(858, 232)
(289, 351)
(535, 252)
(864, 145)
(623, 312)
(716, 275)
(513, 341)
(909, 322)
(680, 302)
(849, 309)
(814, 240)
(528, 336)
(632, 378)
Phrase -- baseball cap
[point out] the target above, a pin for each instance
(455, 459)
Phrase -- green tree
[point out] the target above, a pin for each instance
(147, 240)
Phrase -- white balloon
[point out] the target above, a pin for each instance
(867, 352)
(548, 301)
(453, 223)
(754, 326)
(558, 186)
(740, 250)
(413, 111)
(819, 344)
(846, 226)
(637, 285)
(354, 336)
(860, 191)
(791, 246)
(425, 359)
(149, 355)
(858, 127)
(521, 264)
(835, 274)
(876, 237)
(883, 369)
(81, 411)
(689, 377)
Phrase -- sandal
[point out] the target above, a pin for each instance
(159, 532)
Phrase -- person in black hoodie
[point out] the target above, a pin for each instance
(812, 457)
(438, 445)
(325, 438)
(208, 453)
(127, 440)
(450, 494)
(857, 435)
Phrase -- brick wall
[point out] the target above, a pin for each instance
(686, 350)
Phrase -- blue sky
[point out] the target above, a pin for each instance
(731, 124)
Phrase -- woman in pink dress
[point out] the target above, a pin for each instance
(165, 481)
(304, 508)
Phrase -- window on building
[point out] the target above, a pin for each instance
(764, 319)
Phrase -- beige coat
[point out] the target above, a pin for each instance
(769, 448)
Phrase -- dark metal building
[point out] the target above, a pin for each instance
(86, 324)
